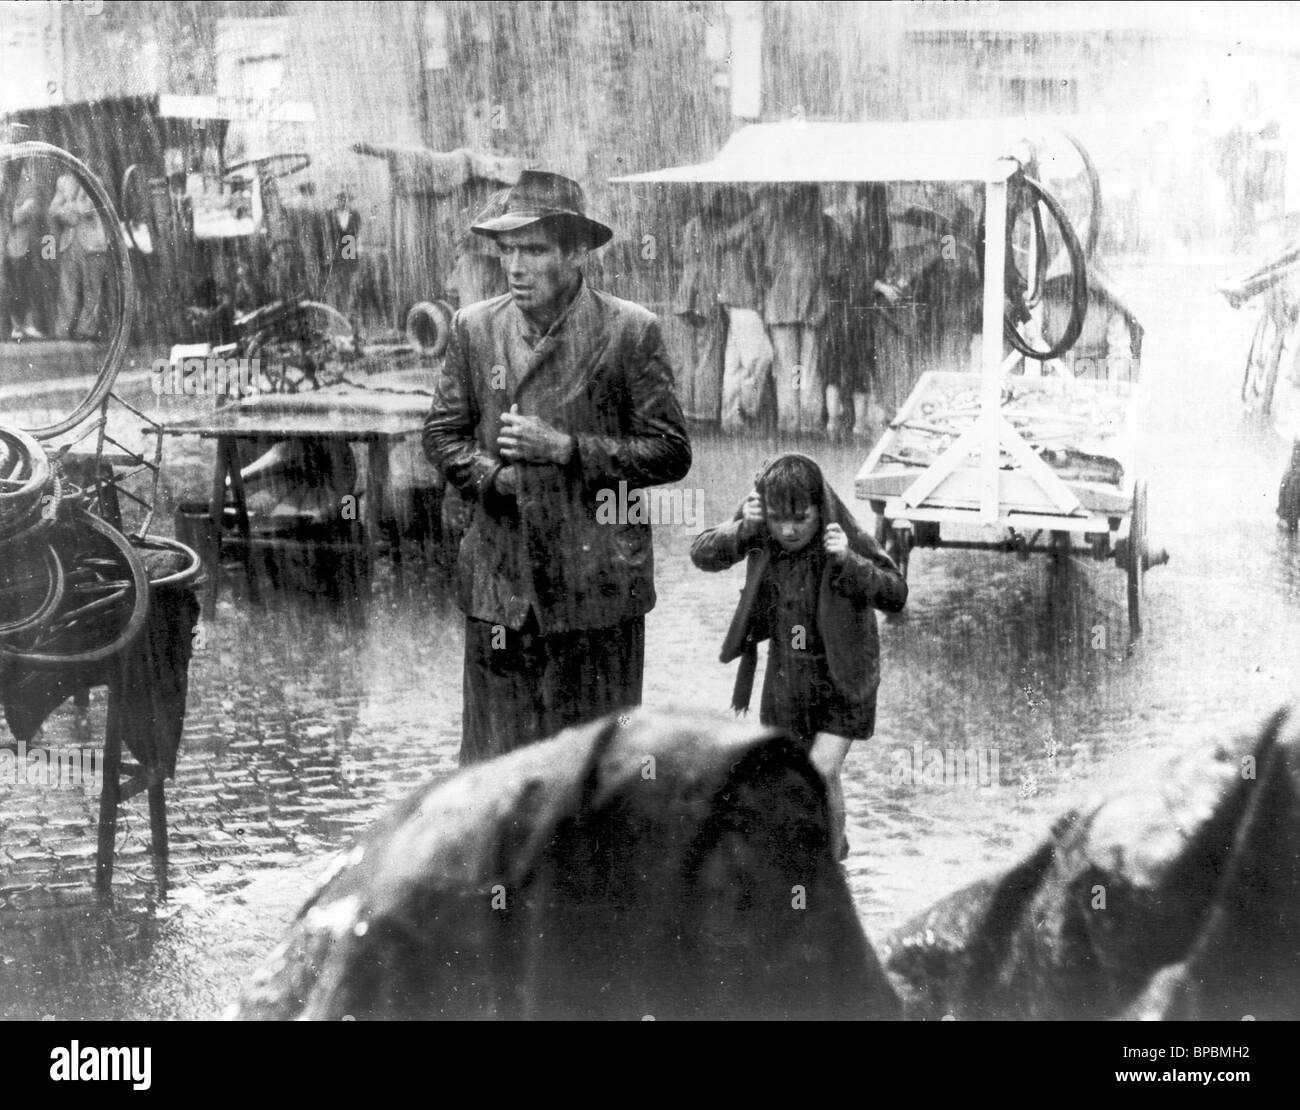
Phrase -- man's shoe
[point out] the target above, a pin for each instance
(33, 333)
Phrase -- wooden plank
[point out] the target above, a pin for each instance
(961, 451)
(895, 509)
(1062, 500)
(961, 490)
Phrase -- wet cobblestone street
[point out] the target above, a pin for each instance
(305, 722)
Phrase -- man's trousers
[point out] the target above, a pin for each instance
(83, 307)
(521, 686)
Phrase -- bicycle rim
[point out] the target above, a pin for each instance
(120, 264)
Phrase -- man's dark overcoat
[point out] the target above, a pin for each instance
(600, 374)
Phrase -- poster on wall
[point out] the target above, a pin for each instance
(31, 56)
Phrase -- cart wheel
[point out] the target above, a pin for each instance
(1068, 241)
(1262, 364)
(1136, 557)
(119, 291)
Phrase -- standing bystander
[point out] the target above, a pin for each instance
(802, 247)
(20, 219)
(345, 258)
(83, 261)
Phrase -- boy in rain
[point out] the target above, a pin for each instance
(812, 582)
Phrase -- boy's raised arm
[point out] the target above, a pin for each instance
(868, 574)
(725, 545)
(721, 547)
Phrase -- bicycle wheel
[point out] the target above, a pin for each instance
(137, 208)
(117, 608)
(1027, 254)
(306, 344)
(1091, 219)
(25, 477)
(186, 575)
(19, 588)
(1078, 282)
(122, 299)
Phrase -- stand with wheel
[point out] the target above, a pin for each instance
(1015, 452)
(76, 594)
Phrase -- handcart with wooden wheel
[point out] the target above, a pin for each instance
(1022, 448)
(1064, 480)
(1020, 444)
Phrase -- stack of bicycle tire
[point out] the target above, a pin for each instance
(73, 589)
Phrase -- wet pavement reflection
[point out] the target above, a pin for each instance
(304, 721)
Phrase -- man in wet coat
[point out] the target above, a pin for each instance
(554, 402)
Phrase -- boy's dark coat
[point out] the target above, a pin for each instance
(867, 579)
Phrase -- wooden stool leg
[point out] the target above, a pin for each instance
(110, 792)
(241, 519)
(158, 831)
(217, 509)
(376, 483)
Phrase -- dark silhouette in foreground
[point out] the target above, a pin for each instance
(681, 868)
(1177, 897)
(662, 867)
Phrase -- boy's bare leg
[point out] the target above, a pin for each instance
(828, 754)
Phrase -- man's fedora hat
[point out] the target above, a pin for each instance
(539, 195)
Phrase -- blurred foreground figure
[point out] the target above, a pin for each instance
(658, 868)
(666, 867)
(1176, 898)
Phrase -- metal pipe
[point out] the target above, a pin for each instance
(995, 234)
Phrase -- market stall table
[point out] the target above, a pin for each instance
(251, 420)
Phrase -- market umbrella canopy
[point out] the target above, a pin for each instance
(924, 150)
(798, 151)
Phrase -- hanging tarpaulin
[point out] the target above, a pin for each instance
(418, 170)
(435, 195)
